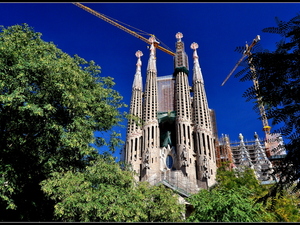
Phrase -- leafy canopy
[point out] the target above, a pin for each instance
(50, 106)
(232, 199)
(224, 205)
(278, 77)
(105, 193)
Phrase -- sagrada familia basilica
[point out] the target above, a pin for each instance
(172, 137)
(174, 142)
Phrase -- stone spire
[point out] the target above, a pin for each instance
(201, 109)
(137, 82)
(151, 139)
(197, 69)
(184, 143)
(152, 60)
(245, 159)
(150, 96)
(260, 155)
(181, 59)
(262, 165)
(133, 153)
(204, 139)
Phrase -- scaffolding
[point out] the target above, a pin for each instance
(223, 152)
(165, 93)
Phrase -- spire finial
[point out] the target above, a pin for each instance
(139, 54)
(152, 49)
(194, 46)
(255, 135)
(137, 82)
(152, 59)
(197, 70)
(241, 137)
(179, 35)
(152, 39)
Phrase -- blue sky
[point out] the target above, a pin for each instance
(218, 28)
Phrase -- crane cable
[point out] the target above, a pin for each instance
(140, 33)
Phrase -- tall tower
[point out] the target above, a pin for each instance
(150, 150)
(176, 143)
(184, 143)
(204, 139)
(134, 142)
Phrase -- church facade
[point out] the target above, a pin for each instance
(171, 137)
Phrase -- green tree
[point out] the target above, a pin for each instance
(278, 77)
(281, 208)
(102, 192)
(231, 179)
(232, 199)
(284, 206)
(105, 193)
(50, 106)
(225, 205)
(160, 204)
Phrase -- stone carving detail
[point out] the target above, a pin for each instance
(206, 173)
(205, 163)
(146, 159)
(184, 157)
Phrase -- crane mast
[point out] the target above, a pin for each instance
(266, 127)
(103, 17)
(247, 52)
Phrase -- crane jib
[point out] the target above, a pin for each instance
(99, 15)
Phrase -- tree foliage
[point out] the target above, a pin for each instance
(225, 205)
(278, 75)
(232, 199)
(105, 193)
(50, 106)
(236, 198)
(160, 204)
(284, 206)
(281, 208)
(102, 192)
(231, 179)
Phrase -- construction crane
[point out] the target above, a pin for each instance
(247, 52)
(105, 18)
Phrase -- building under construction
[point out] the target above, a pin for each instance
(172, 138)
(176, 141)
(260, 155)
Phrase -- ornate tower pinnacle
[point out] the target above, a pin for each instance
(184, 143)
(134, 142)
(245, 159)
(204, 139)
(181, 59)
(197, 70)
(179, 35)
(137, 82)
(262, 164)
(152, 59)
(150, 149)
(202, 115)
